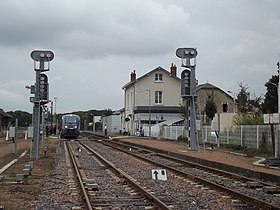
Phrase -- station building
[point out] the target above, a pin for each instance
(155, 97)
(150, 99)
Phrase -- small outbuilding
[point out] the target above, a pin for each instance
(5, 118)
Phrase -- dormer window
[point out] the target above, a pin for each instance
(158, 77)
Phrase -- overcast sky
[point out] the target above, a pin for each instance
(97, 44)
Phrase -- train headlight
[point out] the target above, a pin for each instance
(75, 126)
(65, 126)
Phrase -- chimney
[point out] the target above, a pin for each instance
(173, 70)
(132, 76)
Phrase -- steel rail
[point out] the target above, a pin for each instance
(199, 166)
(79, 177)
(153, 199)
(243, 197)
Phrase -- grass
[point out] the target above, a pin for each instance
(250, 152)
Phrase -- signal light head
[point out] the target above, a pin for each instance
(186, 52)
(42, 55)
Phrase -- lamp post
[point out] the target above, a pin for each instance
(150, 130)
(54, 116)
(55, 104)
(149, 113)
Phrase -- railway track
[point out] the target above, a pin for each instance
(253, 192)
(176, 192)
(104, 186)
(128, 183)
(75, 163)
(246, 191)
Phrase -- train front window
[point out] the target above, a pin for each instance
(71, 120)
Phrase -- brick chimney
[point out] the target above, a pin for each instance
(132, 76)
(173, 70)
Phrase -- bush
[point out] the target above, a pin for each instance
(248, 119)
(2, 134)
(182, 138)
(250, 152)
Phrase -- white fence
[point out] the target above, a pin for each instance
(172, 132)
(251, 136)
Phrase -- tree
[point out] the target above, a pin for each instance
(210, 106)
(249, 109)
(242, 98)
(244, 103)
(270, 104)
(255, 105)
(24, 118)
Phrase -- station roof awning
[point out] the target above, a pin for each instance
(170, 122)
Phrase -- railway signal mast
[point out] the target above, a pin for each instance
(188, 90)
(41, 93)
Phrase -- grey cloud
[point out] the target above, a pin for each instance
(236, 40)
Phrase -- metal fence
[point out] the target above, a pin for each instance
(251, 136)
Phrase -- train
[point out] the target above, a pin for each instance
(70, 126)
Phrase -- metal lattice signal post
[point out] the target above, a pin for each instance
(278, 90)
(41, 94)
(188, 90)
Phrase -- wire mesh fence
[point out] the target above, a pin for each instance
(251, 136)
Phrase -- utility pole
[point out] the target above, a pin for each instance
(150, 128)
(54, 116)
(188, 90)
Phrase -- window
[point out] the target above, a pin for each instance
(158, 77)
(225, 107)
(158, 97)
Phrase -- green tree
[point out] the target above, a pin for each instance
(270, 104)
(210, 106)
(250, 110)
(255, 104)
(86, 116)
(244, 103)
(183, 108)
(242, 98)
(24, 118)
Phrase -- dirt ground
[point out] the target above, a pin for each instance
(6, 147)
(16, 195)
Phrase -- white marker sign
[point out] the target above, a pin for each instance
(159, 174)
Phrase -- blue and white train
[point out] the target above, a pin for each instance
(70, 126)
